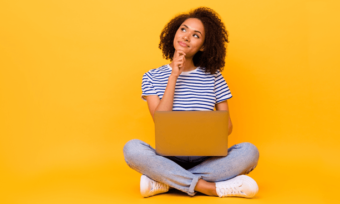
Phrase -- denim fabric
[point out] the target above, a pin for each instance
(183, 173)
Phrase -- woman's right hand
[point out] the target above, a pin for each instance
(178, 62)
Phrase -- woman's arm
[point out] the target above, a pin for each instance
(166, 104)
(224, 106)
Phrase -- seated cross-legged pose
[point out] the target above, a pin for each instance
(196, 45)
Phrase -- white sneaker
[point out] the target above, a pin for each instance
(149, 187)
(240, 186)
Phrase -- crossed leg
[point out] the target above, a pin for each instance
(241, 159)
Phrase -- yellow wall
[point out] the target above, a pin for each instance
(70, 86)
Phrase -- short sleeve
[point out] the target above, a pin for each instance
(222, 91)
(147, 87)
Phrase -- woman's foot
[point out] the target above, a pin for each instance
(240, 186)
(149, 187)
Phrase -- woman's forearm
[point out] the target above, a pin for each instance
(166, 102)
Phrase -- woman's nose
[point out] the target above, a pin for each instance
(186, 37)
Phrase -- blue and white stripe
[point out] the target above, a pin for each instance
(195, 90)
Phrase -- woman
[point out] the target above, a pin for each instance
(196, 45)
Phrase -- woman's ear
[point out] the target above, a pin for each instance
(202, 48)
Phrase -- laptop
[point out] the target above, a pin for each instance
(191, 133)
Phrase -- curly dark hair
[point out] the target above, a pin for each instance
(215, 43)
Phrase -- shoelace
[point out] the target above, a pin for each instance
(232, 189)
(157, 186)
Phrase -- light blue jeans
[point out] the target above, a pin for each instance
(183, 173)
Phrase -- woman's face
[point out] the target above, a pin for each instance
(190, 37)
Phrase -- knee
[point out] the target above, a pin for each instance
(130, 149)
(252, 151)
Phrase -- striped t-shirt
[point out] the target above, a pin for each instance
(195, 90)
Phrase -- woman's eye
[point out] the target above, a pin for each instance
(183, 29)
(196, 36)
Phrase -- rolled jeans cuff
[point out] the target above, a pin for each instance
(191, 191)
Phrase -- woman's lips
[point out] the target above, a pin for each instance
(182, 44)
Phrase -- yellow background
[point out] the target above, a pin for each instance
(70, 86)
